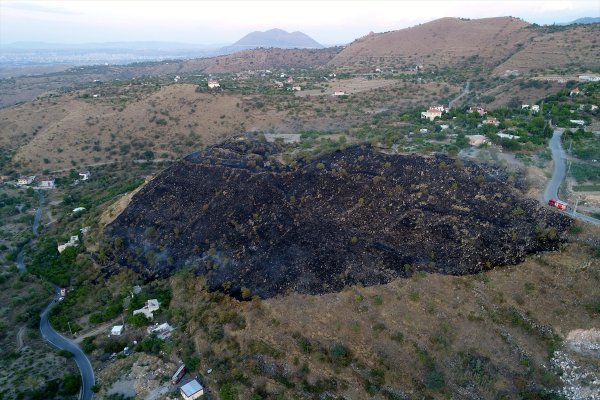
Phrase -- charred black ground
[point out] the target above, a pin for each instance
(236, 215)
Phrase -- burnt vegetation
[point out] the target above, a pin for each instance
(254, 226)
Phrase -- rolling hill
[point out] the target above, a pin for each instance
(492, 43)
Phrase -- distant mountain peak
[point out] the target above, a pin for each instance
(274, 38)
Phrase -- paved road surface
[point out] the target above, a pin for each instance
(551, 192)
(36, 225)
(59, 341)
(49, 334)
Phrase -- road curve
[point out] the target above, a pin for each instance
(49, 334)
(57, 340)
(551, 192)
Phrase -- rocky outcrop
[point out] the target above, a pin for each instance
(244, 220)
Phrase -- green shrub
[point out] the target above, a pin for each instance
(340, 355)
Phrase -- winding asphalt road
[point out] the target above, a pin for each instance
(551, 192)
(49, 334)
(59, 341)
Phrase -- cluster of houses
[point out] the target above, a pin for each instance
(42, 182)
(45, 182)
(289, 82)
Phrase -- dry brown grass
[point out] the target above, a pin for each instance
(503, 43)
(73, 131)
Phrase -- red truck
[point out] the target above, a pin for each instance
(178, 375)
(558, 204)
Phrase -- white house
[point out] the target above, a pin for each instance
(433, 112)
(524, 106)
(148, 309)
(339, 93)
(26, 180)
(72, 242)
(78, 209)
(296, 88)
(117, 330)
(213, 83)
(162, 331)
(589, 78)
(535, 108)
(577, 121)
(507, 136)
(191, 390)
(47, 183)
(85, 175)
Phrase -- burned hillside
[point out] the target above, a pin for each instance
(254, 226)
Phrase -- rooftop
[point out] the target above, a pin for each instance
(191, 387)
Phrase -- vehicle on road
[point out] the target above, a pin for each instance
(178, 375)
(558, 204)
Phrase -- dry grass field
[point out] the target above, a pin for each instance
(577, 48)
(126, 122)
(502, 43)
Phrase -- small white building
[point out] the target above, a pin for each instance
(84, 175)
(191, 390)
(339, 93)
(72, 242)
(117, 330)
(507, 136)
(213, 83)
(47, 183)
(577, 122)
(535, 108)
(524, 106)
(78, 209)
(296, 88)
(148, 309)
(162, 331)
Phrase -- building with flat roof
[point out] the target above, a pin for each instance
(191, 390)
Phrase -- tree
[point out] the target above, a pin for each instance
(138, 320)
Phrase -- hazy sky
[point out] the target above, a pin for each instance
(210, 22)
